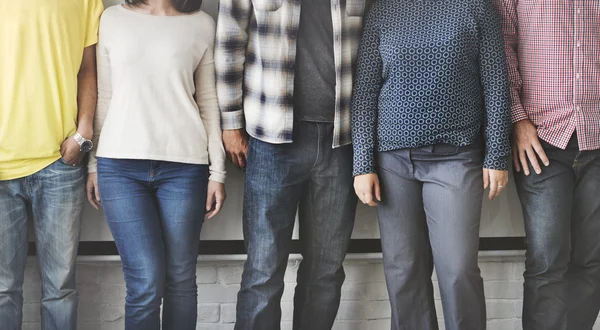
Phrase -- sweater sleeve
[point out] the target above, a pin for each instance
(494, 79)
(104, 92)
(206, 98)
(367, 86)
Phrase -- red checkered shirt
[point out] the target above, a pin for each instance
(553, 51)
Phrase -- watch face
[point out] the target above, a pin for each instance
(87, 146)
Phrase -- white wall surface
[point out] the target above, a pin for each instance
(364, 303)
(500, 218)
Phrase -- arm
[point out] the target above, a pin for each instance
(104, 97)
(86, 103)
(510, 27)
(206, 98)
(492, 63)
(230, 58)
(526, 145)
(367, 87)
(87, 89)
(86, 93)
(494, 80)
(102, 106)
(86, 82)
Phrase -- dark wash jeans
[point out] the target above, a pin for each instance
(155, 211)
(53, 198)
(429, 215)
(280, 179)
(561, 208)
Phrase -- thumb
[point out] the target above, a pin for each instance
(96, 191)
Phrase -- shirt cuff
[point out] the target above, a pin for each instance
(364, 162)
(517, 113)
(232, 120)
(496, 163)
(92, 165)
(217, 177)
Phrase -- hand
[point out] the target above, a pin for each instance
(236, 146)
(367, 189)
(215, 198)
(91, 187)
(496, 180)
(525, 146)
(71, 151)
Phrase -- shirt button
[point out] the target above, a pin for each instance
(578, 76)
(578, 11)
(578, 108)
(578, 44)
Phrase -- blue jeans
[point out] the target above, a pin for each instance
(53, 198)
(280, 179)
(561, 208)
(155, 212)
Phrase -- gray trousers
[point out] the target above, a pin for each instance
(561, 207)
(430, 214)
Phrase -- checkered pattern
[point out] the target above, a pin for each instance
(553, 50)
(255, 62)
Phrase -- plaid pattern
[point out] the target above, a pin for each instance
(553, 50)
(255, 63)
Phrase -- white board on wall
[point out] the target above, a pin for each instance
(500, 218)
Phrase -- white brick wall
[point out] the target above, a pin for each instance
(364, 299)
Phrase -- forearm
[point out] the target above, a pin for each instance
(510, 29)
(230, 58)
(87, 92)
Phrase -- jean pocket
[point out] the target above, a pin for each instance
(64, 162)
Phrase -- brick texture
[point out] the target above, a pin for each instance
(364, 303)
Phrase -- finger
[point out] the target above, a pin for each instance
(368, 198)
(210, 201)
(90, 196)
(242, 159)
(534, 161)
(523, 160)
(217, 207)
(486, 178)
(500, 189)
(97, 193)
(515, 156)
(377, 192)
(537, 146)
(234, 159)
(493, 189)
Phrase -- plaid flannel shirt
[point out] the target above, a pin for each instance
(553, 50)
(255, 62)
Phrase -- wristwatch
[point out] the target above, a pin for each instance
(85, 145)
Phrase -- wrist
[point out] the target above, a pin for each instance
(86, 130)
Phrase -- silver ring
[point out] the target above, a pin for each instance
(499, 186)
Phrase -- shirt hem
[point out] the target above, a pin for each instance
(32, 171)
(184, 160)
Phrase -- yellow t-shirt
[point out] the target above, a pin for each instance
(41, 48)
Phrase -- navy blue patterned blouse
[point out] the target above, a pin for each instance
(430, 71)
